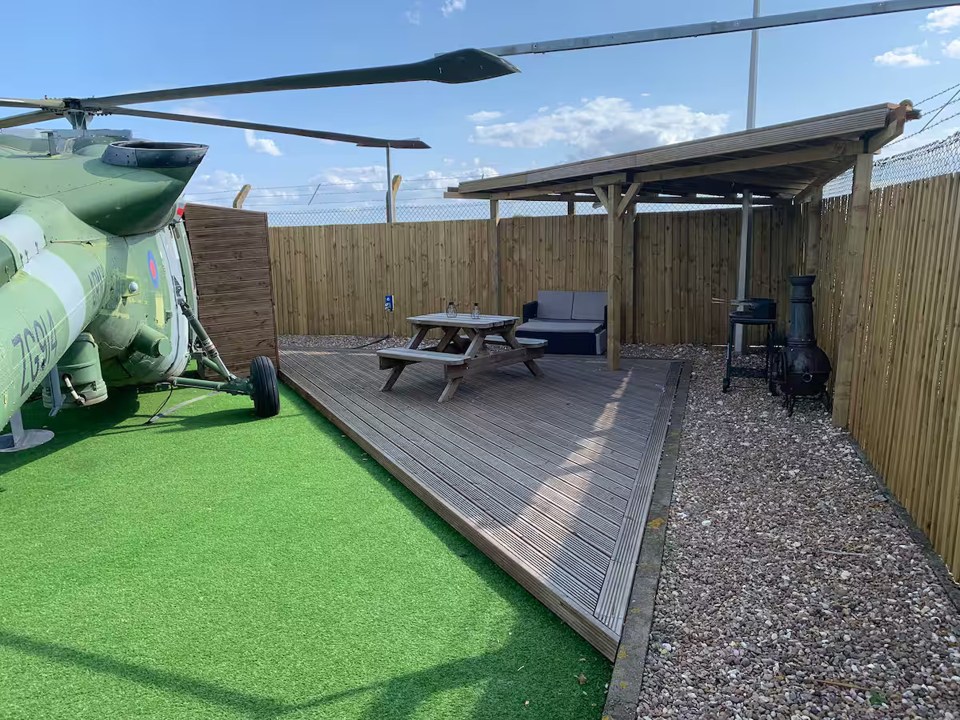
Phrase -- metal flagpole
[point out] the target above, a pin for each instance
(389, 196)
(746, 221)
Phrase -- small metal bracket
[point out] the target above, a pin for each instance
(53, 382)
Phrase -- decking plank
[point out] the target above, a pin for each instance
(550, 477)
(557, 547)
(493, 427)
(517, 492)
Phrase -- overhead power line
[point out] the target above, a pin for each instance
(718, 27)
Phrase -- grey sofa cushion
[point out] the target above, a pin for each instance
(564, 326)
(554, 304)
(588, 305)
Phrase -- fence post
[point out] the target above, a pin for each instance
(614, 276)
(493, 242)
(857, 227)
(629, 272)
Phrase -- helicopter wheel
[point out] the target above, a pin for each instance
(266, 394)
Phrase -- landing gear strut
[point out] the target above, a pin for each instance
(261, 386)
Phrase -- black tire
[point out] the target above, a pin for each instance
(726, 384)
(266, 393)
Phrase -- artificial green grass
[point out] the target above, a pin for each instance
(217, 566)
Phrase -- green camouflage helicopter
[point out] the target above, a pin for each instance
(96, 278)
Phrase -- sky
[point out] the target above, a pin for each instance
(562, 106)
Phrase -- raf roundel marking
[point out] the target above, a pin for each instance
(152, 266)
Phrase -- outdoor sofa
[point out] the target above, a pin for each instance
(572, 323)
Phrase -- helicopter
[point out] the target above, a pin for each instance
(96, 273)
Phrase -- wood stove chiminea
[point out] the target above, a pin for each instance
(802, 368)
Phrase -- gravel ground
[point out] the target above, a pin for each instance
(341, 341)
(790, 588)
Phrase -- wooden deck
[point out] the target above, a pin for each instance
(550, 477)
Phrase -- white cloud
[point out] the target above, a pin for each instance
(442, 179)
(221, 186)
(413, 14)
(952, 49)
(216, 181)
(449, 7)
(906, 57)
(483, 116)
(218, 187)
(602, 126)
(367, 177)
(364, 186)
(943, 20)
(261, 145)
(198, 107)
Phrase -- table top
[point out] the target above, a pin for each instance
(463, 320)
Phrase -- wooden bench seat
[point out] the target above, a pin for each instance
(524, 342)
(422, 356)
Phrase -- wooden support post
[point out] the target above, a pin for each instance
(857, 227)
(571, 207)
(241, 196)
(614, 274)
(493, 241)
(629, 273)
(811, 245)
(743, 264)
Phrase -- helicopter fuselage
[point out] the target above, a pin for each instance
(64, 275)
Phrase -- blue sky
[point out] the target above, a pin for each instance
(561, 106)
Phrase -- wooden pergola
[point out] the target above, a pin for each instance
(786, 164)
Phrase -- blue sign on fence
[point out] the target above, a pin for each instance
(388, 303)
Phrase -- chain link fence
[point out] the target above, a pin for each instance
(425, 212)
(940, 157)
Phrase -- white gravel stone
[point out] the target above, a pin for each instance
(341, 342)
(803, 596)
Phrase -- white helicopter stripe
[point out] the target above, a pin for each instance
(56, 273)
(23, 235)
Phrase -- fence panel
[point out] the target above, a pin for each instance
(229, 251)
(905, 400)
(686, 271)
(333, 279)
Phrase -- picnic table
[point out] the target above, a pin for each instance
(464, 348)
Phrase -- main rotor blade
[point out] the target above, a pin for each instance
(361, 140)
(462, 66)
(24, 103)
(37, 116)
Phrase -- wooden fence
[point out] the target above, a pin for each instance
(905, 398)
(230, 251)
(679, 268)
(331, 280)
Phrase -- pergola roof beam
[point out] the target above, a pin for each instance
(823, 129)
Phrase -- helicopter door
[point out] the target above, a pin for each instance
(179, 329)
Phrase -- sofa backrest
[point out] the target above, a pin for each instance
(588, 306)
(555, 304)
